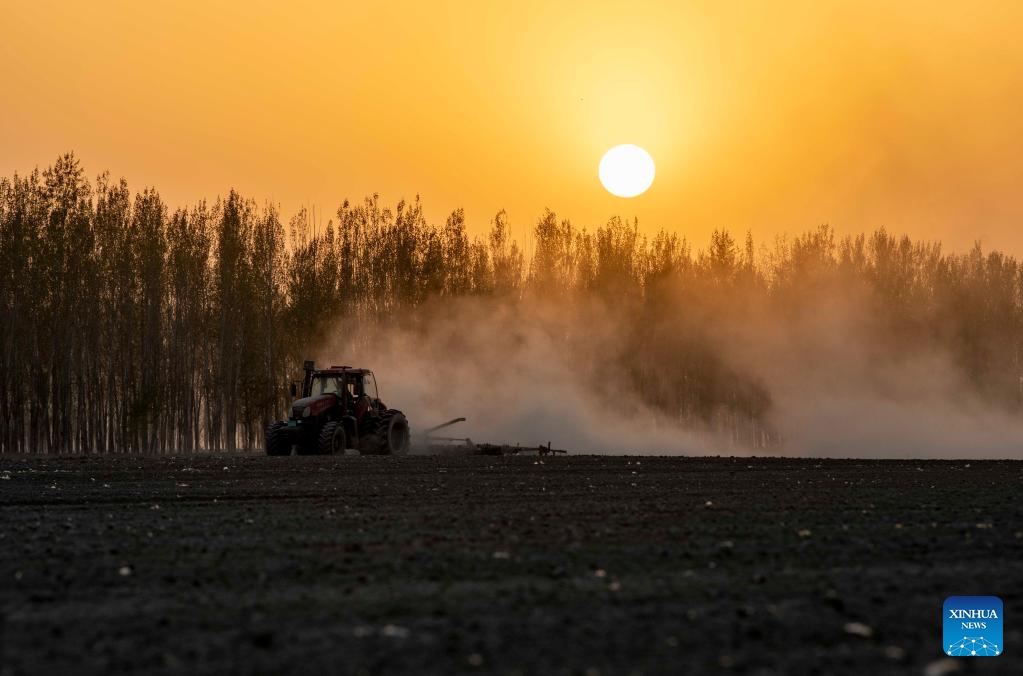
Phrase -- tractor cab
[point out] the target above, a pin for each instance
(354, 390)
(344, 381)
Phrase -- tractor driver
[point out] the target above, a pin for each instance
(362, 402)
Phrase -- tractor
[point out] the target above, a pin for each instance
(339, 410)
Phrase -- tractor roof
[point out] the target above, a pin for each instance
(340, 370)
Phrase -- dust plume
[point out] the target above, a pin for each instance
(842, 384)
(526, 375)
(829, 368)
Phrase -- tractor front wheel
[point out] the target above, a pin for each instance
(277, 440)
(332, 439)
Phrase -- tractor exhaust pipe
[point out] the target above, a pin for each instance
(307, 383)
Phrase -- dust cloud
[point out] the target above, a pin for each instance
(519, 375)
(585, 376)
(842, 385)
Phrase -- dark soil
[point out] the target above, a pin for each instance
(583, 565)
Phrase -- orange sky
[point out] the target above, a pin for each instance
(769, 116)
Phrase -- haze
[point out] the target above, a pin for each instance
(762, 116)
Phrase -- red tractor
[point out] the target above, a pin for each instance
(339, 409)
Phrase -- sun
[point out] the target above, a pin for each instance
(626, 170)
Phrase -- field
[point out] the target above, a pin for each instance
(578, 564)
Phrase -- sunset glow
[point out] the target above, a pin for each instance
(763, 116)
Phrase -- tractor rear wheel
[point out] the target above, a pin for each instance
(393, 437)
(332, 438)
(277, 440)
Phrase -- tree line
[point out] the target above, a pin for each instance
(128, 326)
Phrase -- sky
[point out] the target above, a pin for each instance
(771, 117)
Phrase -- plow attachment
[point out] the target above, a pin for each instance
(444, 445)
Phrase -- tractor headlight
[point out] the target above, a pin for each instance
(307, 411)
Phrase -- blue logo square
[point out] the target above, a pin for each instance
(972, 626)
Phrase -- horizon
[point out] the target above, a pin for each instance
(521, 232)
